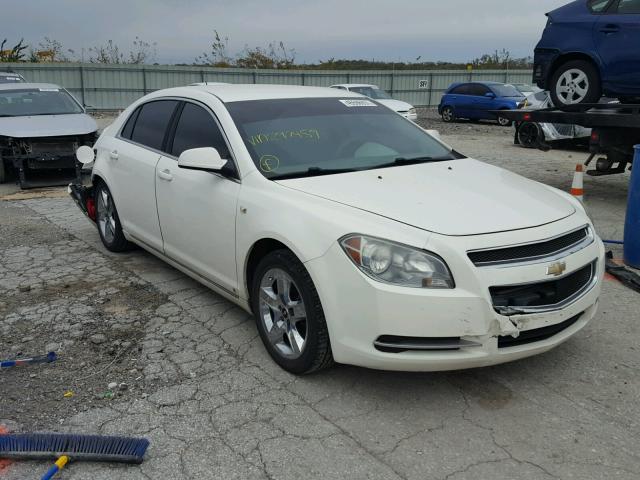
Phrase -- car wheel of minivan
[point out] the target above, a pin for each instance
(289, 314)
(448, 115)
(503, 121)
(574, 83)
(109, 226)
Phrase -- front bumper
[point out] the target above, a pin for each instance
(359, 310)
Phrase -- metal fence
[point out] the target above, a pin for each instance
(113, 87)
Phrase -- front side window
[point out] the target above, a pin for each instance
(629, 7)
(196, 128)
(316, 136)
(598, 6)
(506, 91)
(37, 101)
(371, 92)
(152, 122)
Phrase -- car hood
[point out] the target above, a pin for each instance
(396, 105)
(457, 197)
(47, 125)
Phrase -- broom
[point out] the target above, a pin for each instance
(68, 447)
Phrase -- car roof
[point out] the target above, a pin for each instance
(243, 92)
(350, 85)
(27, 86)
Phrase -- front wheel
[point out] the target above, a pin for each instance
(108, 221)
(447, 115)
(530, 135)
(289, 314)
(575, 83)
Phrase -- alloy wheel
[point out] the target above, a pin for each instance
(283, 313)
(572, 86)
(447, 114)
(106, 216)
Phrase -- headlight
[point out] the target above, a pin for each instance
(398, 264)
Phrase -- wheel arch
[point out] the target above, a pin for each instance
(568, 57)
(257, 252)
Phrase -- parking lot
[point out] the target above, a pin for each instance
(146, 351)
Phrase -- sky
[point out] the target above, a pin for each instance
(390, 30)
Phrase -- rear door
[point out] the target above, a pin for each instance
(132, 157)
(617, 35)
(460, 100)
(197, 209)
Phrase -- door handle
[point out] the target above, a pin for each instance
(610, 28)
(165, 175)
(113, 155)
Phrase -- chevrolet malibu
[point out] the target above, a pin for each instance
(350, 233)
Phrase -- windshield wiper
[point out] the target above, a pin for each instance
(312, 172)
(5, 115)
(414, 160)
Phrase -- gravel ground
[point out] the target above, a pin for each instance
(201, 387)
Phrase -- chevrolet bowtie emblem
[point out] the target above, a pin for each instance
(556, 269)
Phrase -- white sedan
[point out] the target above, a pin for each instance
(376, 93)
(350, 233)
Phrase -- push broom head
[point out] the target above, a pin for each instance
(89, 448)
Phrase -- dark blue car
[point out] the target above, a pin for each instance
(590, 48)
(475, 100)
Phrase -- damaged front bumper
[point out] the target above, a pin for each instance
(82, 195)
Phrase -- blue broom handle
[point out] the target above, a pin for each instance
(59, 465)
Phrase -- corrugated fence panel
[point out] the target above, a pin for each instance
(113, 87)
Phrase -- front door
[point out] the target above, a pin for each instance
(197, 209)
(617, 36)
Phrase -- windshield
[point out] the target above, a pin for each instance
(506, 91)
(371, 92)
(315, 136)
(37, 101)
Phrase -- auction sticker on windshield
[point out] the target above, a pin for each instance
(358, 103)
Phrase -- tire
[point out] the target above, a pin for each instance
(108, 221)
(503, 121)
(3, 171)
(530, 135)
(574, 83)
(289, 314)
(448, 115)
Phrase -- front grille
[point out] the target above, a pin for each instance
(529, 251)
(542, 294)
(537, 334)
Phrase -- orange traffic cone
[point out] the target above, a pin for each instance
(577, 187)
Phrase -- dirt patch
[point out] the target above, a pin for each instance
(58, 192)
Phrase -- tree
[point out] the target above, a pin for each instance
(52, 50)
(218, 56)
(110, 52)
(14, 54)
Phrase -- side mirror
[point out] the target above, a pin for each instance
(207, 159)
(85, 154)
(490, 95)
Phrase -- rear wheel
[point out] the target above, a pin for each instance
(530, 135)
(289, 314)
(108, 221)
(574, 83)
(504, 121)
(447, 115)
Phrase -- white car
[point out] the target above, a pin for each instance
(350, 233)
(376, 93)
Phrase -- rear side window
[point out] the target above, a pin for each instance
(197, 128)
(152, 122)
(629, 6)
(598, 6)
(478, 90)
(128, 127)
(460, 90)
